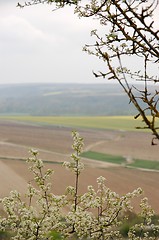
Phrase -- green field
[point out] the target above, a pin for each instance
(103, 157)
(154, 165)
(101, 122)
(137, 163)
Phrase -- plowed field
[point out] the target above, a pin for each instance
(54, 145)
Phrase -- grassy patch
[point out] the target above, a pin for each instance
(146, 164)
(103, 157)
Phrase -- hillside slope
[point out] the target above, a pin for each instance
(64, 99)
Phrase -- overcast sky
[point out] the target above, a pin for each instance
(39, 45)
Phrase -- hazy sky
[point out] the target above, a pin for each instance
(39, 45)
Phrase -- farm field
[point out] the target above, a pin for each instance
(96, 122)
(54, 145)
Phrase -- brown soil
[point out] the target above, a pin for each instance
(54, 144)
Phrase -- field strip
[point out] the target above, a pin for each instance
(121, 123)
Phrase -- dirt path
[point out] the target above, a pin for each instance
(91, 146)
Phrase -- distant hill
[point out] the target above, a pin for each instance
(64, 99)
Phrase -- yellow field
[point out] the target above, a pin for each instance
(99, 122)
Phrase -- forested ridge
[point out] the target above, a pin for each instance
(64, 99)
